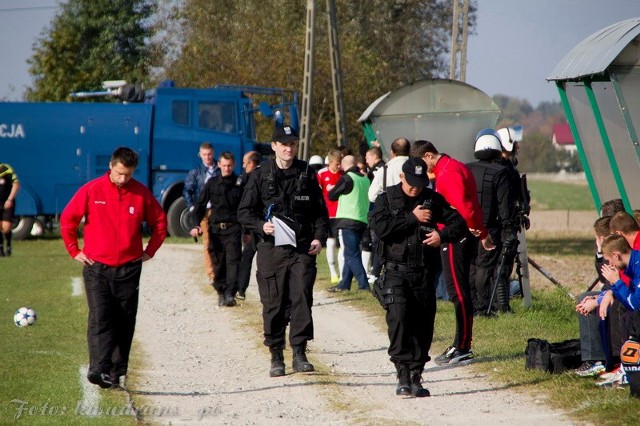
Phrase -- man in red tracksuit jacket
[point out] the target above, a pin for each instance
(114, 207)
(458, 186)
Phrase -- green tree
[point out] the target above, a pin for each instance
(384, 44)
(537, 154)
(90, 41)
(512, 108)
(571, 162)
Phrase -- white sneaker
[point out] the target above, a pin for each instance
(454, 356)
(615, 378)
(590, 369)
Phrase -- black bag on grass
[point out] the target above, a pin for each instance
(553, 357)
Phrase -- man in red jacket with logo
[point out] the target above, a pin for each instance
(114, 207)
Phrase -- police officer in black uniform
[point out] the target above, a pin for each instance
(285, 190)
(250, 162)
(404, 218)
(509, 159)
(521, 197)
(496, 199)
(225, 233)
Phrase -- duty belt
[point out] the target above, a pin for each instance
(392, 266)
(224, 225)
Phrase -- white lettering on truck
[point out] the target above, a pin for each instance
(12, 131)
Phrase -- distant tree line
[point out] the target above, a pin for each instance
(537, 153)
(384, 44)
(199, 43)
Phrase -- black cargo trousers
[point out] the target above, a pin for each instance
(410, 302)
(225, 249)
(630, 354)
(456, 262)
(285, 276)
(112, 298)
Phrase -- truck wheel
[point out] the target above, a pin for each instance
(22, 225)
(178, 218)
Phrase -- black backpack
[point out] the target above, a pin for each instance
(553, 357)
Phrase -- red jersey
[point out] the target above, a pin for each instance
(327, 180)
(636, 246)
(457, 185)
(113, 219)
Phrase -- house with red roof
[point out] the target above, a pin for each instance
(562, 138)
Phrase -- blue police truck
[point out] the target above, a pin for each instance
(56, 147)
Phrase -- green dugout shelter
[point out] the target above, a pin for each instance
(599, 86)
(448, 113)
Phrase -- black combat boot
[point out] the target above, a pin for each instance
(404, 384)
(277, 362)
(416, 386)
(229, 300)
(300, 361)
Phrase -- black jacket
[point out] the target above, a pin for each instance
(224, 194)
(293, 192)
(372, 170)
(494, 184)
(393, 221)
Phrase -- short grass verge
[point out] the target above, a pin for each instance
(40, 381)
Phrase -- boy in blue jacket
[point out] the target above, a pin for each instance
(620, 257)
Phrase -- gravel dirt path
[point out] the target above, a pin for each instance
(206, 365)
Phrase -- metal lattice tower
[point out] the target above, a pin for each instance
(307, 83)
(336, 74)
(336, 77)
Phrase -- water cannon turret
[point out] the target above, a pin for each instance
(118, 88)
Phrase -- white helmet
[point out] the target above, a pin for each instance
(316, 160)
(487, 145)
(507, 138)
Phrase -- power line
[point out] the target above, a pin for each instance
(19, 9)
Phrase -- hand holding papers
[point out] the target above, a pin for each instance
(285, 230)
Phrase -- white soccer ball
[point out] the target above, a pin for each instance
(24, 317)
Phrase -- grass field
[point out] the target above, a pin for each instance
(40, 381)
(553, 195)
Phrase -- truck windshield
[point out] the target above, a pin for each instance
(217, 116)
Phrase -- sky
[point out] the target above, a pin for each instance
(514, 47)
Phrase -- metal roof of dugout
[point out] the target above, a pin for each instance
(599, 83)
(448, 113)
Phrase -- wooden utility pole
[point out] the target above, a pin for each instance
(459, 31)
